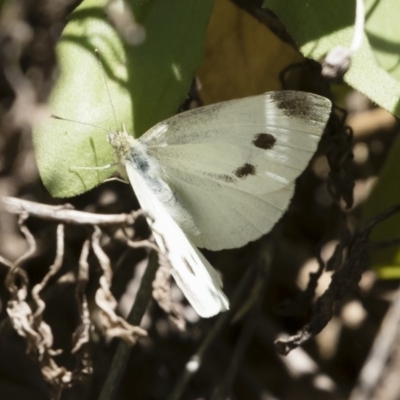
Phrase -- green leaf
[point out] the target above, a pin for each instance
(320, 25)
(146, 84)
(383, 31)
(386, 194)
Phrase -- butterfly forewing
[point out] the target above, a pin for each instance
(233, 164)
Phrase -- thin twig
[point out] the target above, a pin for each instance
(5, 262)
(10, 280)
(112, 324)
(298, 363)
(162, 295)
(64, 213)
(193, 365)
(379, 353)
(122, 354)
(358, 26)
(81, 334)
(52, 271)
(337, 61)
(250, 324)
(30, 325)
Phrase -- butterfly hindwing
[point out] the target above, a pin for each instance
(194, 275)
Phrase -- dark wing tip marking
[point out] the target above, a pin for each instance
(245, 170)
(298, 104)
(264, 141)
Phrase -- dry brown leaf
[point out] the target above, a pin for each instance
(242, 56)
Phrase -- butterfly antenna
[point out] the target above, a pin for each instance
(78, 122)
(107, 88)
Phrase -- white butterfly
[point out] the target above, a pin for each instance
(219, 177)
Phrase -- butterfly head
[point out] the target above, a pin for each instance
(121, 142)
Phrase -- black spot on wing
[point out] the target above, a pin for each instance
(264, 141)
(298, 104)
(245, 170)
